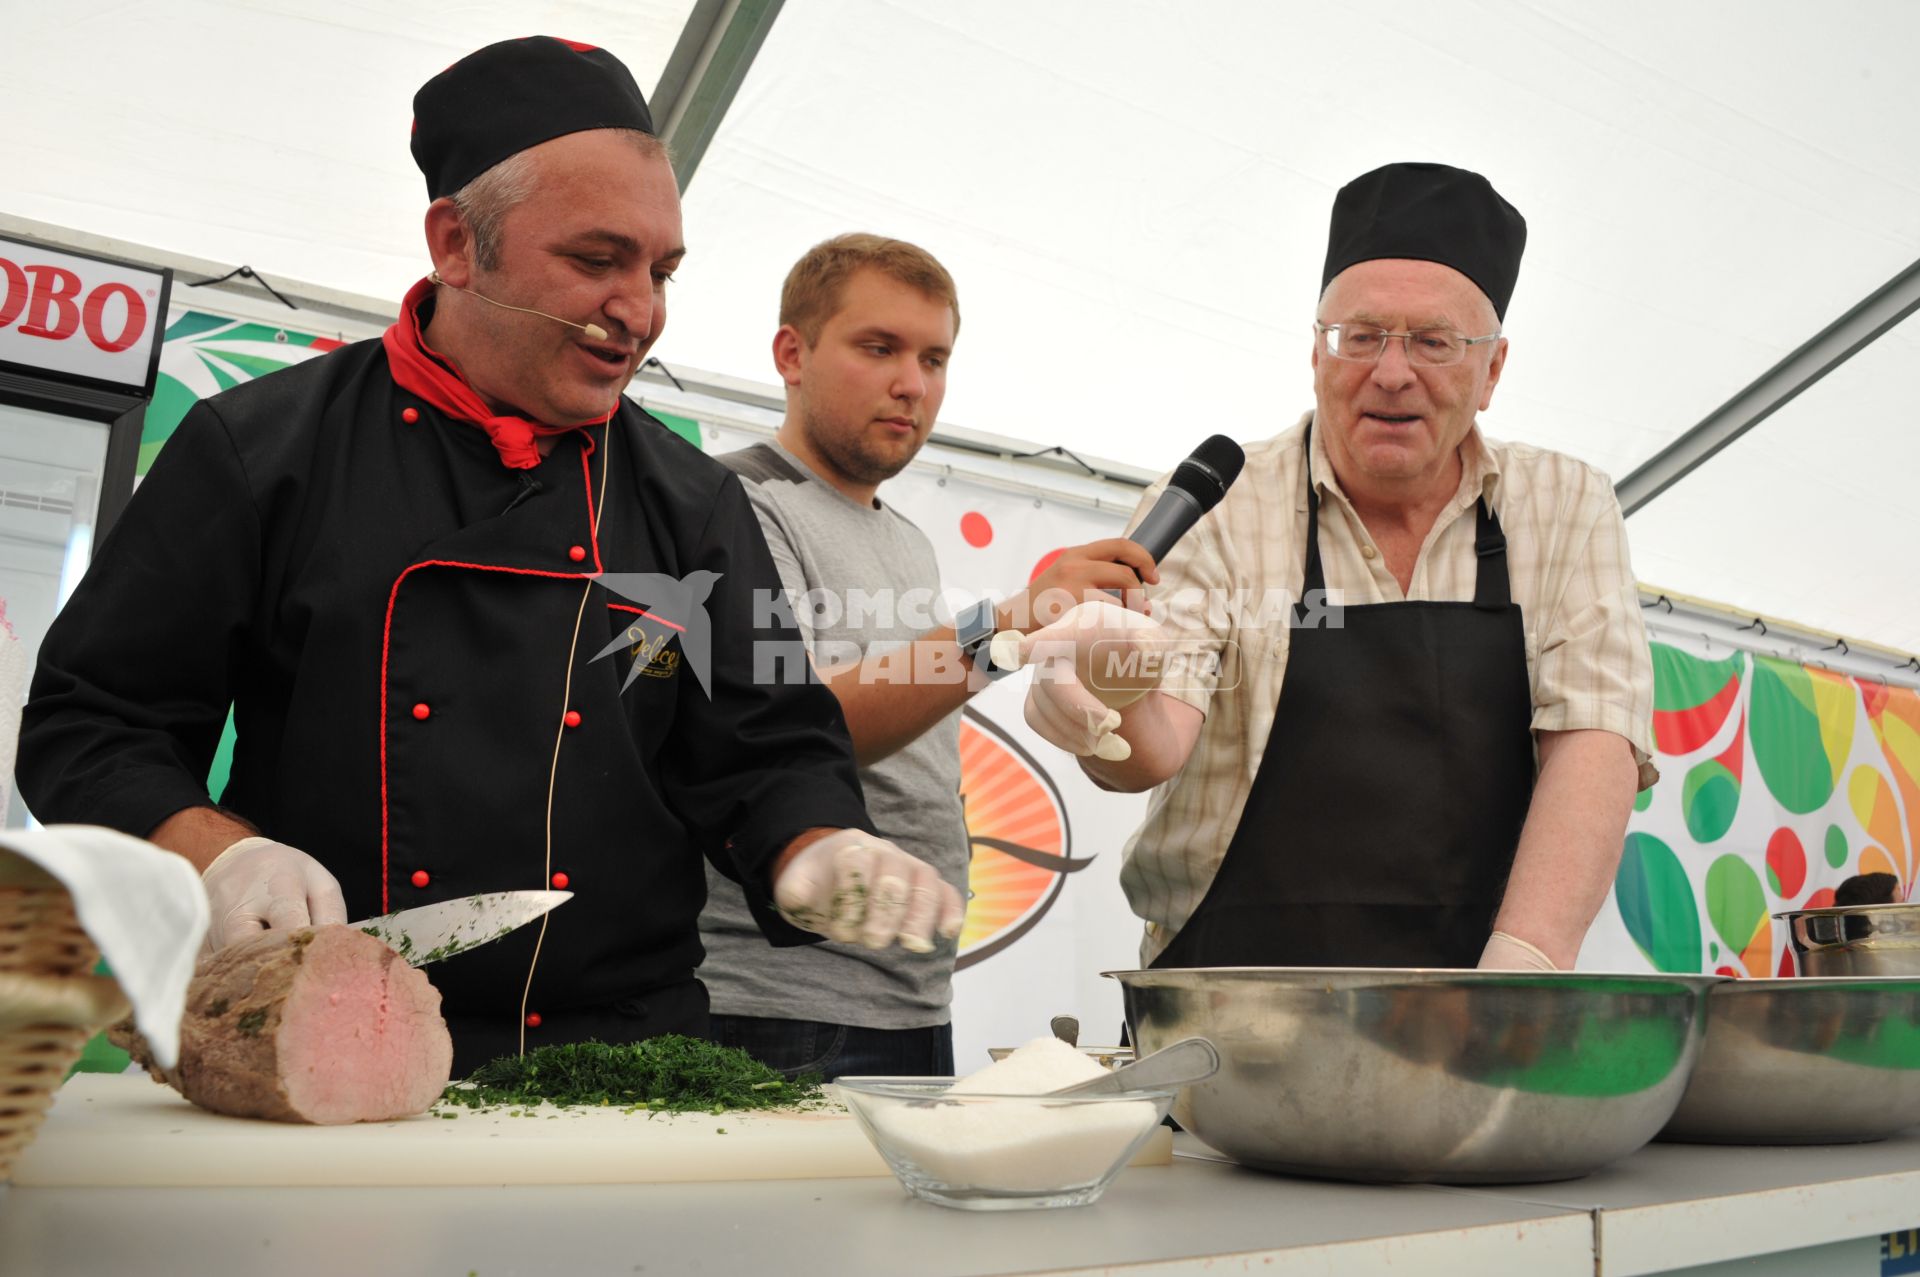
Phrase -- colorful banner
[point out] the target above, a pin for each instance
(204, 354)
(1777, 782)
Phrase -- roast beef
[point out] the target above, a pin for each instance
(323, 1024)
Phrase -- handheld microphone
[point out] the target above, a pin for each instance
(1196, 487)
(594, 332)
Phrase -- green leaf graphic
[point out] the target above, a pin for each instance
(1681, 681)
(1656, 903)
(1836, 846)
(1785, 733)
(1709, 798)
(1735, 902)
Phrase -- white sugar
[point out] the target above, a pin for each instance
(1018, 1145)
(1042, 1065)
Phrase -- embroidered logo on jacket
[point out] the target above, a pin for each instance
(673, 612)
(651, 654)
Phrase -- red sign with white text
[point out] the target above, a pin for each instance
(80, 316)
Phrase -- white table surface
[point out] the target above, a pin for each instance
(1668, 1206)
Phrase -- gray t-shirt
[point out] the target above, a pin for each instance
(863, 578)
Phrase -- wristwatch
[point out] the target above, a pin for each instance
(974, 628)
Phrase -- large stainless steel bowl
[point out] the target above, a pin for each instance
(1855, 940)
(1452, 1077)
(1805, 1061)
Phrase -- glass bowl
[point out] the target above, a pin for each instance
(1001, 1152)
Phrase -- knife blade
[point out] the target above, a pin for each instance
(429, 933)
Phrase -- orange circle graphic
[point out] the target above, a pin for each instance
(1017, 824)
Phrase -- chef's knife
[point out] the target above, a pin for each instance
(432, 932)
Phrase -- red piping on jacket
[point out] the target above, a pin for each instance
(640, 611)
(586, 485)
(386, 635)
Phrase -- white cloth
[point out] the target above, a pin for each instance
(143, 906)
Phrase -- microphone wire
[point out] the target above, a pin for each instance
(594, 332)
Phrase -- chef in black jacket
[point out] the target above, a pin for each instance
(395, 562)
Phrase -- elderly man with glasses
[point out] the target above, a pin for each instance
(1427, 754)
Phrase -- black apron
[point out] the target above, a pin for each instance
(1384, 817)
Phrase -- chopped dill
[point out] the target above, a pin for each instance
(667, 1074)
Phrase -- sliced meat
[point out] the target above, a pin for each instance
(324, 1025)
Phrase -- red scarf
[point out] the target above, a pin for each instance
(423, 371)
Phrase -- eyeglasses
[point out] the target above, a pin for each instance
(1432, 347)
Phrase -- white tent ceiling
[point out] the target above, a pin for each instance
(1133, 197)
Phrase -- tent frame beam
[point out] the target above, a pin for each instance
(708, 65)
(1825, 351)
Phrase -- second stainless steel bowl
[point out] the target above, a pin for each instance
(1457, 1077)
(1805, 1061)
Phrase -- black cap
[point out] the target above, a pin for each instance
(502, 99)
(1429, 213)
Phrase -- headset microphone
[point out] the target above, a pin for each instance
(594, 332)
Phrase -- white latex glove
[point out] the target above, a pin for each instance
(1075, 700)
(258, 883)
(1511, 953)
(855, 886)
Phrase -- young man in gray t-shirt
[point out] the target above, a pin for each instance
(867, 326)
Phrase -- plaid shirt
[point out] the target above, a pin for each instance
(1588, 662)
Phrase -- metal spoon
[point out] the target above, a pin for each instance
(1066, 1028)
(1188, 1060)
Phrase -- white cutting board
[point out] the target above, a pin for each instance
(125, 1130)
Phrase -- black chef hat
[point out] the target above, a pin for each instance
(1430, 213)
(502, 99)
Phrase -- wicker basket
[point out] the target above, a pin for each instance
(46, 962)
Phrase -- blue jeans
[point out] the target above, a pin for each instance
(795, 1047)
